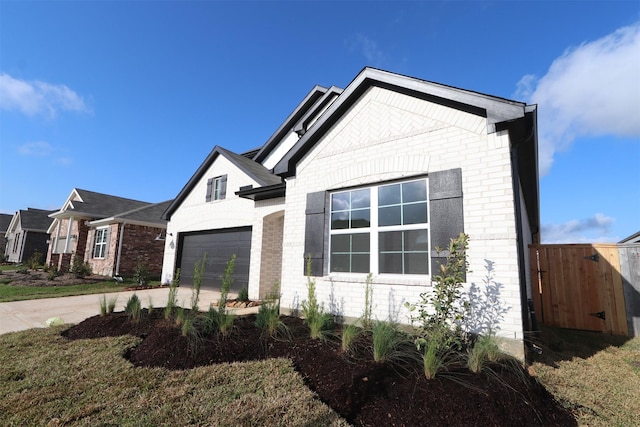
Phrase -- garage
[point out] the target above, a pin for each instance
(219, 245)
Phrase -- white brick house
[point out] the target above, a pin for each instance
(373, 178)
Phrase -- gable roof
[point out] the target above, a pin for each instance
(95, 205)
(149, 215)
(251, 168)
(5, 219)
(634, 238)
(31, 219)
(496, 110)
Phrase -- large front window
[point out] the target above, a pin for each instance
(389, 221)
(100, 247)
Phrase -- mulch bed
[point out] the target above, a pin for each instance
(365, 393)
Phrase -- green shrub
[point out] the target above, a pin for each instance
(141, 273)
(442, 310)
(34, 261)
(133, 308)
(320, 323)
(107, 306)
(349, 336)
(436, 353)
(368, 303)
(243, 295)
(223, 319)
(484, 350)
(53, 273)
(180, 315)
(172, 300)
(198, 276)
(391, 345)
(79, 268)
(268, 317)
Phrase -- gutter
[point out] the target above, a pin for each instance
(120, 238)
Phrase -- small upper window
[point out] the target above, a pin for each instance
(216, 188)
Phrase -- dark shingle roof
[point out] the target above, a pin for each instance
(254, 169)
(150, 213)
(35, 219)
(98, 205)
(5, 219)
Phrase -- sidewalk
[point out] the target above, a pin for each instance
(20, 315)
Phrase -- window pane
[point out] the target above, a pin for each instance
(390, 241)
(340, 202)
(415, 213)
(389, 216)
(416, 240)
(414, 191)
(340, 262)
(360, 218)
(389, 195)
(416, 263)
(390, 263)
(360, 199)
(340, 243)
(360, 242)
(360, 263)
(339, 220)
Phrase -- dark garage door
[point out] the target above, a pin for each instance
(219, 245)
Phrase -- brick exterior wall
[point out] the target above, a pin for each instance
(387, 136)
(140, 244)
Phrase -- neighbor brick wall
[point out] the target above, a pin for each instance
(139, 243)
(387, 136)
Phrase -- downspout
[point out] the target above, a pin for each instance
(120, 238)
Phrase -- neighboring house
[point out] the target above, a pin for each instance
(112, 234)
(634, 238)
(5, 219)
(372, 179)
(27, 234)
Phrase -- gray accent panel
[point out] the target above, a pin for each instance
(209, 189)
(219, 245)
(446, 212)
(314, 235)
(223, 187)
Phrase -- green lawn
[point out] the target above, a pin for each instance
(48, 380)
(18, 293)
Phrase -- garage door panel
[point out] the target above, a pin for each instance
(219, 245)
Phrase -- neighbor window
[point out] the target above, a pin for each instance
(100, 247)
(382, 229)
(216, 188)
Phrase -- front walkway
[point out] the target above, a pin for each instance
(21, 315)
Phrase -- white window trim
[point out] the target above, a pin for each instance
(373, 231)
(217, 188)
(102, 244)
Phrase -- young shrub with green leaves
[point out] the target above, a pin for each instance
(198, 276)
(219, 319)
(349, 336)
(268, 317)
(391, 345)
(141, 273)
(319, 322)
(79, 268)
(484, 350)
(243, 294)
(53, 273)
(442, 310)
(172, 300)
(34, 261)
(133, 308)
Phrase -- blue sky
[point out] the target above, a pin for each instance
(128, 98)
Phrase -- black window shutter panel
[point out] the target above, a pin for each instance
(445, 208)
(209, 188)
(223, 187)
(314, 234)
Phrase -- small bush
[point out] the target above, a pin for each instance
(436, 353)
(79, 268)
(53, 273)
(107, 306)
(34, 261)
(319, 322)
(243, 295)
(141, 273)
(484, 350)
(391, 345)
(180, 315)
(172, 300)
(198, 276)
(350, 334)
(133, 308)
(268, 317)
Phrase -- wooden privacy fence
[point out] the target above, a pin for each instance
(582, 286)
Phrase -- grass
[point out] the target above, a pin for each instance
(10, 267)
(597, 376)
(48, 380)
(10, 293)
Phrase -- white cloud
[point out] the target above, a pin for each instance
(37, 97)
(590, 90)
(37, 149)
(368, 48)
(589, 230)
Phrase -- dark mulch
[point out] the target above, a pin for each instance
(363, 392)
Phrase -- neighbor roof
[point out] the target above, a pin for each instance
(34, 219)
(150, 215)
(96, 205)
(5, 219)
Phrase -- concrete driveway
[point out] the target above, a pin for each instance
(21, 315)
